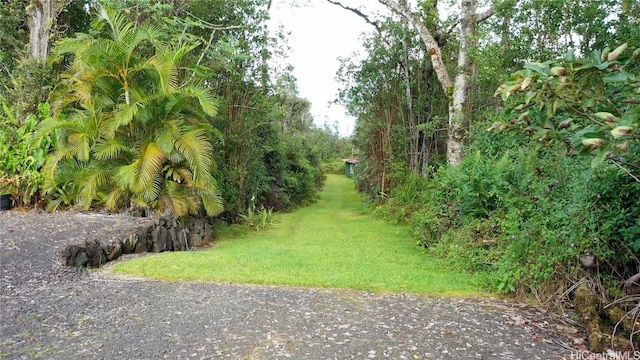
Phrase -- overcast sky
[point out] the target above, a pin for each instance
(320, 33)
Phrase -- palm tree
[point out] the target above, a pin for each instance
(131, 131)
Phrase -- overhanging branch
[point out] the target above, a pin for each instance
(359, 13)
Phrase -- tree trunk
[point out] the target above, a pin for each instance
(456, 92)
(458, 102)
(41, 18)
(456, 119)
(429, 42)
(414, 135)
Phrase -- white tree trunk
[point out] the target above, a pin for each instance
(41, 19)
(459, 98)
(456, 92)
(429, 42)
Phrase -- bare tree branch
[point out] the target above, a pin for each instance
(359, 13)
(485, 15)
(478, 18)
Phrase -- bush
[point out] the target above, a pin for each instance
(334, 167)
(523, 212)
(22, 156)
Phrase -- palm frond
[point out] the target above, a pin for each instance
(151, 159)
(117, 22)
(67, 46)
(194, 145)
(180, 53)
(180, 199)
(79, 143)
(166, 71)
(109, 149)
(139, 202)
(123, 116)
(114, 198)
(212, 201)
(206, 101)
(50, 184)
(166, 140)
(187, 176)
(152, 190)
(126, 175)
(90, 180)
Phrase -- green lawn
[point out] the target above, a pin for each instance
(328, 244)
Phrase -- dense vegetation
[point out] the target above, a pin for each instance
(185, 107)
(172, 107)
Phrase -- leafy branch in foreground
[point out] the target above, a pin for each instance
(591, 104)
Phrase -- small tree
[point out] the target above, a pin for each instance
(130, 130)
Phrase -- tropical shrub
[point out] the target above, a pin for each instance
(22, 155)
(591, 106)
(131, 123)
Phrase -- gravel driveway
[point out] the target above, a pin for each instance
(50, 311)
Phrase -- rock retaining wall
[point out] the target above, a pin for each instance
(155, 235)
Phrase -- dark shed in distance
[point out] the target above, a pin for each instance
(350, 166)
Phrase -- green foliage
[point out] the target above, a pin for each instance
(257, 219)
(522, 212)
(396, 135)
(22, 155)
(14, 37)
(130, 126)
(615, 211)
(334, 167)
(590, 104)
(31, 83)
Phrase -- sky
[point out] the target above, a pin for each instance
(320, 33)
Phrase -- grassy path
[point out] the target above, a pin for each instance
(328, 244)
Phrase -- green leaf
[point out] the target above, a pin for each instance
(530, 95)
(558, 71)
(509, 91)
(593, 143)
(523, 115)
(565, 123)
(605, 54)
(538, 67)
(151, 159)
(605, 116)
(589, 102)
(525, 83)
(616, 77)
(569, 56)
